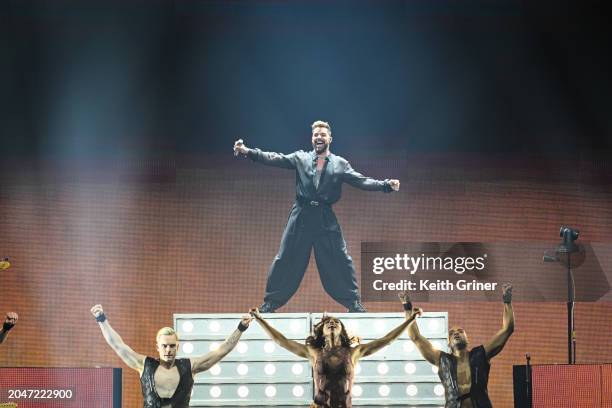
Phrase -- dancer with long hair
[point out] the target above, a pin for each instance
(333, 356)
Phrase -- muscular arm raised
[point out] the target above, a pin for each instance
(427, 350)
(125, 353)
(494, 346)
(203, 363)
(290, 345)
(364, 350)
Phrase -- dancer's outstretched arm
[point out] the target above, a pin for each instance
(203, 363)
(494, 346)
(290, 345)
(125, 353)
(424, 346)
(372, 347)
(9, 322)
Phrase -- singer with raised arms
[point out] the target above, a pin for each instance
(166, 382)
(464, 373)
(312, 222)
(332, 355)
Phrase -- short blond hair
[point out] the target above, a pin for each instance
(166, 331)
(320, 123)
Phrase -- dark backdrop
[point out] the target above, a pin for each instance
(118, 185)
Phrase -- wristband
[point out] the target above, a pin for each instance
(407, 306)
(101, 318)
(242, 327)
(7, 326)
(507, 297)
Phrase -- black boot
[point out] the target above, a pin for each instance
(356, 307)
(267, 307)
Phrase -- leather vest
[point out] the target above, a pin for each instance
(182, 394)
(479, 367)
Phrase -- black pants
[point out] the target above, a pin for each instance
(312, 227)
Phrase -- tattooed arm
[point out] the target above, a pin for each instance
(203, 363)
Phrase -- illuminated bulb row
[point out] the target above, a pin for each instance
(384, 390)
(215, 326)
(381, 325)
(383, 369)
(241, 348)
(298, 369)
(269, 369)
(243, 391)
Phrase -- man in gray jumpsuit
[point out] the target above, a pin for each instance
(312, 222)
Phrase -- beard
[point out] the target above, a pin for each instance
(459, 345)
(320, 148)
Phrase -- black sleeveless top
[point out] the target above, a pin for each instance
(333, 383)
(182, 394)
(479, 366)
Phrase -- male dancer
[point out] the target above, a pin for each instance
(464, 373)
(312, 223)
(9, 323)
(167, 382)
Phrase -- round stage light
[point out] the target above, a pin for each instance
(382, 368)
(187, 326)
(269, 347)
(215, 370)
(408, 346)
(214, 326)
(384, 390)
(243, 391)
(357, 391)
(296, 326)
(242, 347)
(434, 369)
(270, 391)
(242, 369)
(213, 346)
(298, 391)
(187, 348)
(412, 390)
(215, 391)
(410, 368)
(439, 390)
(269, 369)
(297, 369)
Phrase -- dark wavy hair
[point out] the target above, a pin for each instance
(317, 340)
